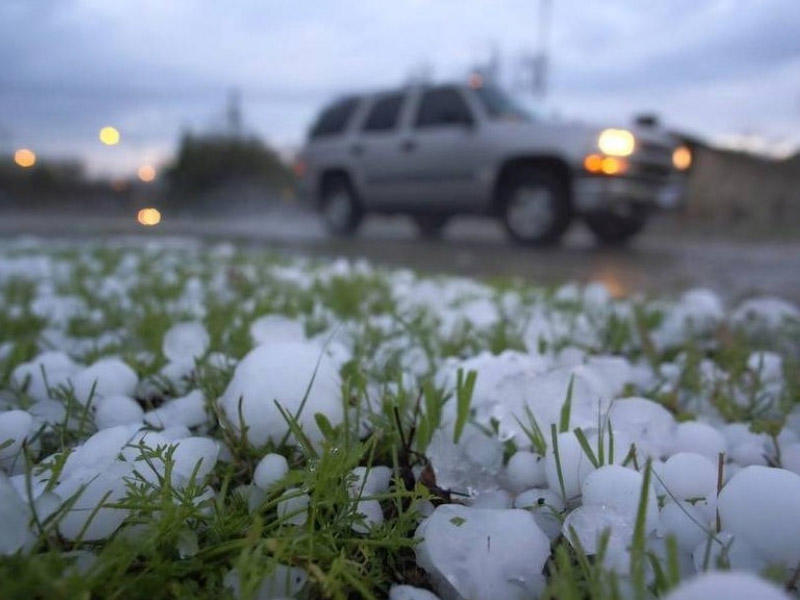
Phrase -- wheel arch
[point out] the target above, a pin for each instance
(330, 175)
(546, 162)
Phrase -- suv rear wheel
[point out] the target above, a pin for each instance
(615, 229)
(535, 206)
(430, 226)
(340, 207)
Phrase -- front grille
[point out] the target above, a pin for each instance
(651, 161)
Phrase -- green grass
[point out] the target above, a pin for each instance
(179, 541)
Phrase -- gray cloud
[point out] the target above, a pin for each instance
(714, 66)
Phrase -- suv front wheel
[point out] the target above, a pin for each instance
(535, 206)
(339, 206)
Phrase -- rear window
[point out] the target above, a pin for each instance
(383, 115)
(334, 119)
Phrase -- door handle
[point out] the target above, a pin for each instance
(356, 149)
(408, 145)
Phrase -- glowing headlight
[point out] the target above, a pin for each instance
(682, 158)
(616, 142)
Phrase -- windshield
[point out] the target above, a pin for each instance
(500, 105)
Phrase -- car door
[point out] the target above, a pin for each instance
(377, 151)
(441, 151)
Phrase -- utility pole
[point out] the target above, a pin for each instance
(234, 113)
(540, 61)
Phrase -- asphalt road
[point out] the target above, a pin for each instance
(664, 259)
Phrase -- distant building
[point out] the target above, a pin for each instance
(727, 186)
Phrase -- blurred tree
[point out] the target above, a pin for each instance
(210, 162)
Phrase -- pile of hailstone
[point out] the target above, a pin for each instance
(438, 437)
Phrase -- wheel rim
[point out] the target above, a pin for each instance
(531, 212)
(338, 210)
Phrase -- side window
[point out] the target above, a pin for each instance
(442, 106)
(384, 113)
(334, 119)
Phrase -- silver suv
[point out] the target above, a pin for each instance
(436, 151)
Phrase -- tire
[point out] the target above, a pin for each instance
(535, 207)
(430, 226)
(339, 206)
(613, 229)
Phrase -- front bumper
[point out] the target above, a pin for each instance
(620, 193)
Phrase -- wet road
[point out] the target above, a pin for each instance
(664, 259)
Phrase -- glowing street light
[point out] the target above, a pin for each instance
(109, 136)
(146, 173)
(25, 158)
(148, 217)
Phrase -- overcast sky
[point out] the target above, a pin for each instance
(722, 69)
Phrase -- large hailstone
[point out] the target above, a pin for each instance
(48, 370)
(728, 585)
(91, 517)
(271, 329)
(762, 506)
(15, 426)
(14, 515)
(689, 475)
(106, 377)
(649, 425)
(620, 488)
(185, 342)
(483, 553)
(282, 372)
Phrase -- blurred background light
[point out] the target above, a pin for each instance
(149, 217)
(146, 173)
(25, 158)
(109, 136)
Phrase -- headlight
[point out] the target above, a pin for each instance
(616, 142)
(682, 158)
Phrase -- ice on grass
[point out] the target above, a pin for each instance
(408, 592)
(111, 411)
(91, 516)
(194, 455)
(546, 506)
(369, 514)
(369, 482)
(293, 507)
(688, 475)
(470, 467)
(269, 470)
(15, 427)
(271, 329)
(295, 375)
(281, 583)
(587, 524)
(761, 505)
(724, 550)
(790, 458)
(14, 516)
(648, 424)
(684, 521)
(188, 410)
(47, 371)
(730, 586)
(701, 438)
(482, 553)
(106, 377)
(525, 470)
(764, 314)
(185, 342)
(620, 488)
(575, 466)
